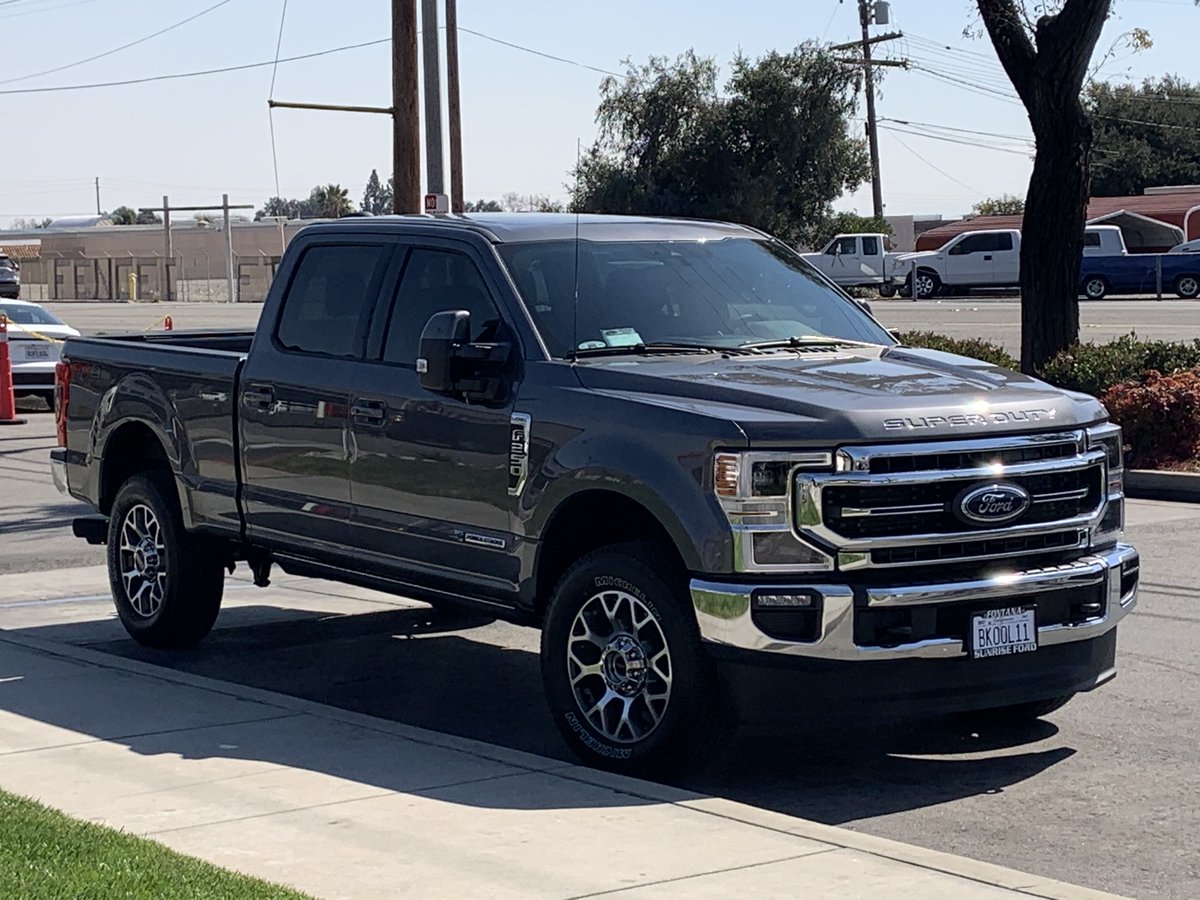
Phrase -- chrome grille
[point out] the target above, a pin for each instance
(898, 505)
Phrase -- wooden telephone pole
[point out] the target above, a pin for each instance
(869, 13)
(406, 108)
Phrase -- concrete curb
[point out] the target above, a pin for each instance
(962, 867)
(1157, 484)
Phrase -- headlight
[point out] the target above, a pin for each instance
(754, 492)
(1108, 438)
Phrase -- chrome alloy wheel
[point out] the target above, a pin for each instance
(619, 666)
(925, 286)
(143, 560)
(1188, 287)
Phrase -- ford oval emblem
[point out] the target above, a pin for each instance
(992, 504)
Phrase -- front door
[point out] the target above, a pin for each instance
(295, 398)
(969, 261)
(429, 473)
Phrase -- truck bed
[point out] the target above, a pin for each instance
(180, 387)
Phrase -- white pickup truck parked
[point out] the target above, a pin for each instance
(976, 259)
(856, 260)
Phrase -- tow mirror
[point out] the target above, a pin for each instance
(443, 334)
(863, 305)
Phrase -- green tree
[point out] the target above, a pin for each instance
(377, 197)
(1146, 136)
(1004, 205)
(773, 149)
(845, 223)
(148, 218)
(123, 215)
(1046, 59)
(482, 206)
(330, 201)
(277, 207)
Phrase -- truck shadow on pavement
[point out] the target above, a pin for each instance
(459, 673)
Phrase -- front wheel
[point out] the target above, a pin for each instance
(167, 583)
(627, 680)
(928, 284)
(1188, 287)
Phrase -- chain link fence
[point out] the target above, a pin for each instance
(187, 277)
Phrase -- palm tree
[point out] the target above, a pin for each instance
(331, 201)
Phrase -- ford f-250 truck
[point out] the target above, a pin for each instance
(702, 470)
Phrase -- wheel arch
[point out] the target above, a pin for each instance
(131, 448)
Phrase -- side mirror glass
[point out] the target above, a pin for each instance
(443, 334)
(863, 305)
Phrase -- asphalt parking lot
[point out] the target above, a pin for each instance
(1102, 794)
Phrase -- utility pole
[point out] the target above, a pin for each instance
(864, 15)
(457, 201)
(98, 196)
(431, 57)
(406, 117)
(166, 282)
(872, 12)
(230, 280)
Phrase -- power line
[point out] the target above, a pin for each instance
(960, 141)
(561, 59)
(931, 165)
(41, 9)
(967, 85)
(177, 75)
(1015, 137)
(140, 40)
(271, 95)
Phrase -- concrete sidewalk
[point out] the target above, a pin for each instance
(344, 805)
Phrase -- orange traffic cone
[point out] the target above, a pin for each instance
(8, 402)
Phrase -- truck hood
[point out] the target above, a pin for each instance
(826, 397)
(919, 254)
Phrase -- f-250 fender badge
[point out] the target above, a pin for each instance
(518, 452)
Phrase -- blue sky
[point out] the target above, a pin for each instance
(522, 113)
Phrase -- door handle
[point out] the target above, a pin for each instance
(260, 398)
(368, 412)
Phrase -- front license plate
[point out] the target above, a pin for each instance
(36, 353)
(1001, 632)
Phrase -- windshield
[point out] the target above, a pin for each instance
(28, 315)
(722, 293)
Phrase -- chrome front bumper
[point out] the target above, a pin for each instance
(724, 610)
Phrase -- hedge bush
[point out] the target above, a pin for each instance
(1161, 418)
(973, 347)
(1094, 368)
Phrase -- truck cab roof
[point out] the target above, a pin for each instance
(538, 226)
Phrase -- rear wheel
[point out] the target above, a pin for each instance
(887, 290)
(167, 583)
(627, 680)
(1095, 288)
(1188, 286)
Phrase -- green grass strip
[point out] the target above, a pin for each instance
(44, 854)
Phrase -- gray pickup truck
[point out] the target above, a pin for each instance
(713, 481)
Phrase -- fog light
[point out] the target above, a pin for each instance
(783, 601)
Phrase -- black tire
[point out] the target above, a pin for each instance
(1188, 287)
(1095, 288)
(665, 717)
(887, 290)
(1021, 713)
(928, 284)
(171, 591)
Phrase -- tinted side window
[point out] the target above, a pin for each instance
(1091, 239)
(435, 281)
(1003, 242)
(870, 246)
(333, 288)
(976, 243)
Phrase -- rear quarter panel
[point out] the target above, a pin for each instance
(184, 397)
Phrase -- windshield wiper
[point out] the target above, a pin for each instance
(655, 347)
(806, 340)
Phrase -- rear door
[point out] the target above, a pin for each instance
(295, 396)
(871, 259)
(1006, 260)
(430, 473)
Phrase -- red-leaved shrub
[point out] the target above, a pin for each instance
(1161, 417)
